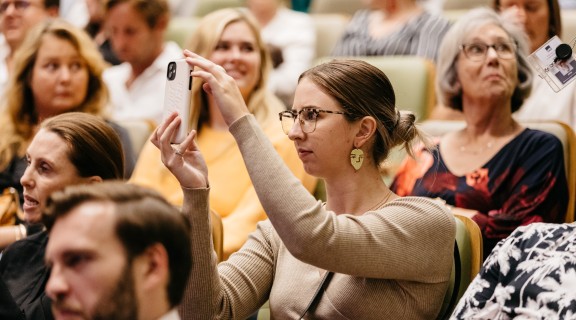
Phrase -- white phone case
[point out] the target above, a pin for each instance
(177, 96)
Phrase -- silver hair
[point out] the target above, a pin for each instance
(448, 87)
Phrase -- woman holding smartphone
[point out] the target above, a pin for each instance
(229, 38)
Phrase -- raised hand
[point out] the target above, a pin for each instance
(220, 85)
(184, 160)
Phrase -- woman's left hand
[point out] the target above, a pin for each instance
(184, 160)
(220, 85)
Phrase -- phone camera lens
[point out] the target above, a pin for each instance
(171, 71)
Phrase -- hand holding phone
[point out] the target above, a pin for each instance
(177, 96)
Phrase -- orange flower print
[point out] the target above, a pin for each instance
(478, 179)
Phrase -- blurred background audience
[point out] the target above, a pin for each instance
(16, 18)
(96, 29)
(137, 29)
(541, 20)
(392, 27)
(56, 70)
(291, 40)
(231, 39)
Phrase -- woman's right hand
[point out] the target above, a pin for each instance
(218, 84)
(184, 160)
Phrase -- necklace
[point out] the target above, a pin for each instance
(476, 151)
(382, 202)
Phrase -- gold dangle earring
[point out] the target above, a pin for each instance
(356, 158)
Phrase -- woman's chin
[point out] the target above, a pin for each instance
(33, 216)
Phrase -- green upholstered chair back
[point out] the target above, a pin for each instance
(336, 6)
(412, 78)
(329, 28)
(467, 263)
(203, 7)
(180, 30)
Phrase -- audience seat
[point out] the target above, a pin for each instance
(467, 263)
(180, 30)
(465, 4)
(329, 29)
(561, 130)
(139, 132)
(348, 7)
(412, 78)
(203, 7)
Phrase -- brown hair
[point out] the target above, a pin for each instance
(94, 147)
(370, 94)
(143, 218)
(151, 10)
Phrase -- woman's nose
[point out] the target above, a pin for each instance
(26, 179)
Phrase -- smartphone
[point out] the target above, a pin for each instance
(177, 96)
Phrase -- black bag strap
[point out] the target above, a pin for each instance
(456, 289)
(316, 297)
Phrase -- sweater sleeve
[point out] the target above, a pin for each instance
(234, 289)
(340, 243)
(243, 219)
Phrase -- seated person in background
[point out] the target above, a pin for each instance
(57, 69)
(231, 39)
(364, 247)
(530, 275)
(495, 171)
(68, 149)
(98, 32)
(16, 18)
(138, 247)
(292, 36)
(137, 29)
(541, 21)
(392, 27)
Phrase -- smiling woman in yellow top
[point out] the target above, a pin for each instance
(231, 39)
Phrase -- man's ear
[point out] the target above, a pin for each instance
(95, 179)
(53, 12)
(366, 129)
(162, 23)
(155, 266)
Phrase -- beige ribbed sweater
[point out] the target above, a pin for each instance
(393, 263)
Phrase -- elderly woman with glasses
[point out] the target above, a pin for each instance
(364, 254)
(494, 170)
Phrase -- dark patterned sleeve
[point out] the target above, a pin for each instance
(538, 192)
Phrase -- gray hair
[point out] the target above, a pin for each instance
(448, 87)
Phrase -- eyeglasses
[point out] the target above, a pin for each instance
(19, 5)
(477, 51)
(307, 118)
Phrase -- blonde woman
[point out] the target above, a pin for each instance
(231, 39)
(56, 70)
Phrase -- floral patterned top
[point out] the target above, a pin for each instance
(530, 275)
(524, 182)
